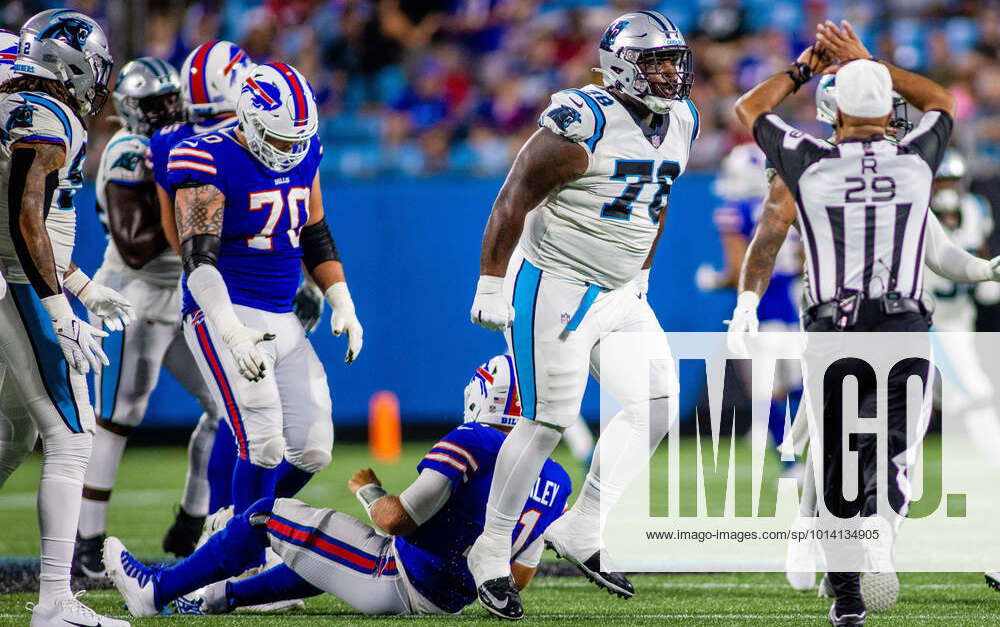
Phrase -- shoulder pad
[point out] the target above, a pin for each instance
(36, 117)
(575, 115)
(125, 159)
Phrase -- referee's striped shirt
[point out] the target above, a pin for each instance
(862, 204)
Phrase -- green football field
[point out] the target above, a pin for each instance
(150, 482)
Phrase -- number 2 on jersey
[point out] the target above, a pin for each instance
(272, 199)
(642, 171)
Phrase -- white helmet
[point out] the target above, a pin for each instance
(69, 47)
(8, 53)
(491, 396)
(952, 165)
(631, 51)
(211, 77)
(277, 103)
(741, 175)
(826, 106)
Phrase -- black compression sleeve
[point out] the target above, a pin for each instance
(20, 164)
(201, 249)
(317, 245)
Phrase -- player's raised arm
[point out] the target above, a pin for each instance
(199, 226)
(770, 93)
(401, 515)
(545, 163)
(322, 261)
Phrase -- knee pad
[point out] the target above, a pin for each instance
(66, 455)
(267, 451)
(311, 460)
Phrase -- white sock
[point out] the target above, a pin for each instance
(59, 495)
(518, 465)
(196, 488)
(579, 439)
(101, 472)
(627, 442)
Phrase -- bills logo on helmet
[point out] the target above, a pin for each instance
(264, 95)
(612, 33)
(72, 30)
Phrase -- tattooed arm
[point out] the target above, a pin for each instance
(34, 175)
(199, 211)
(778, 214)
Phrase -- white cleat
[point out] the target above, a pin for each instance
(563, 536)
(487, 561)
(208, 600)
(68, 612)
(800, 557)
(271, 559)
(132, 579)
(214, 523)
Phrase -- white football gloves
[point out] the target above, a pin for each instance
(100, 300)
(308, 305)
(489, 308)
(242, 342)
(744, 323)
(80, 342)
(344, 319)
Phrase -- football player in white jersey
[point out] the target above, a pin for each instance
(139, 263)
(61, 73)
(565, 258)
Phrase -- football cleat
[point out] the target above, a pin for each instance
(135, 581)
(71, 611)
(993, 579)
(271, 559)
(87, 560)
(500, 597)
(215, 522)
(183, 535)
(615, 583)
(846, 620)
(208, 600)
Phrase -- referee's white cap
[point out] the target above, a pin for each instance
(864, 89)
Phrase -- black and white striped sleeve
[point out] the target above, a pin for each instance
(930, 138)
(788, 150)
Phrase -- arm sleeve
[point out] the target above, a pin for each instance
(948, 259)
(788, 150)
(125, 161)
(532, 554)
(575, 115)
(454, 456)
(191, 163)
(930, 138)
(426, 495)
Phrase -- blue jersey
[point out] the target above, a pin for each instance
(169, 136)
(433, 556)
(778, 303)
(260, 258)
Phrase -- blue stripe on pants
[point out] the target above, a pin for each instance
(523, 334)
(114, 348)
(48, 355)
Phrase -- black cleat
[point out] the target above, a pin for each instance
(182, 537)
(846, 620)
(615, 583)
(87, 560)
(500, 597)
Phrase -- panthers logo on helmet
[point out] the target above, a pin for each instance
(564, 116)
(612, 33)
(71, 30)
(128, 161)
(264, 95)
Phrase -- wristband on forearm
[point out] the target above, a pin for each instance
(800, 73)
(368, 494)
(76, 282)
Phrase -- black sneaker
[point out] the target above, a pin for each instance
(182, 537)
(500, 597)
(87, 560)
(846, 620)
(615, 583)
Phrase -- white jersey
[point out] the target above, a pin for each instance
(35, 117)
(954, 303)
(126, 162)
(599, 228)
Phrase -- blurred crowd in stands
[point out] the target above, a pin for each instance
(425, 87)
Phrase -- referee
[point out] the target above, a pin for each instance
(861, 208)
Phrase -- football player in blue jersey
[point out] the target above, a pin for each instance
(418, 567)
(250, 214)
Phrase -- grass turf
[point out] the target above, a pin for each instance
(150, 481)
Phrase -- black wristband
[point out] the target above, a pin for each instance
(800, 73)
(200, 249)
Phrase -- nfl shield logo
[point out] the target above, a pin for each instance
(655, 139)
(564, 317)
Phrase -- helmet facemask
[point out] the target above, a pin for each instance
(663, 75)
(899, 124)
(158, 111)
(262, 143)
